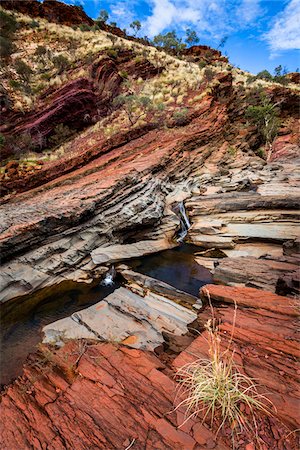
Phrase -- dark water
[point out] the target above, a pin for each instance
(176, 267)
(22, 320)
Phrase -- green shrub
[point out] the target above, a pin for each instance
(113, 38)
(103, 16)
(84, 27)
(23, 70)
(14, 84)
(6, 47)
(208, 74)
(202, 64)
(265, 117)
(135, 106)
(264, 75)
(261, 153)
(40, 51)
(112, 53)
(60, 134)
(124, 74)
(60, 62)
(8, 25)
(181, 117)
(46, 76)
(34, 24)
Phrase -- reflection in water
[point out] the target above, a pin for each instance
(176, 267)
(22, 320)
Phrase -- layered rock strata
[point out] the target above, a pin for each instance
(126, 317)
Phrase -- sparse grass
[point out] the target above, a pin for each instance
(215, 388)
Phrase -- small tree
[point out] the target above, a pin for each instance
(222, 42)
(60, 134)
(41, 51)
(191, 37)
(279, 74)
(135, 106)
(136, 26)
(8, 27)
(264, 75)
(6, 47)
(208, 74)
(169, 41)
(103, 16)
(265, 117)
(60, 62)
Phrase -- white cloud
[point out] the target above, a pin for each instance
(285, 32)
(212, 18)
(249, 10)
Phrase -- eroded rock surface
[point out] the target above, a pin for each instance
(124, 316)
(97, 396)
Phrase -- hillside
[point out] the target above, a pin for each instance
(113, 149)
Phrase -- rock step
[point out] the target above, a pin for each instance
(97, 397)
(253, 272)
(124, 316)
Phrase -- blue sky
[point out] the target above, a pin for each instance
(261, 33)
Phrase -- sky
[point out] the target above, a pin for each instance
(261, 33)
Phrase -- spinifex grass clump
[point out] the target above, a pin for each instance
(215, 388)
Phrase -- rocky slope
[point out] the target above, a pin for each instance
(107, 192)
(94, 384)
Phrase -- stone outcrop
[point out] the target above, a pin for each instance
(78, 104)
(253, 272)
(120, 397)
(126, 317)
(51, 10)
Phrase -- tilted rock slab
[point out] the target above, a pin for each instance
(124, 316)
(119, 252)
(99, 397)
(252, 272)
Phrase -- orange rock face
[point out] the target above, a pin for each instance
(100, 397)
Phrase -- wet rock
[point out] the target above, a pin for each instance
(136, 280)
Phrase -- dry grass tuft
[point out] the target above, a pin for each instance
(216, 388)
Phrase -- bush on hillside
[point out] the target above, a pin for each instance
(60, 134)
(135, 106)
(265, 117)
(60, 62)
(181, 117)
(23, 70)
(8, 27)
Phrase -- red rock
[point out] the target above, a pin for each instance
(110, 399)
(249, 297)
(250, 446)
(51, 10)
